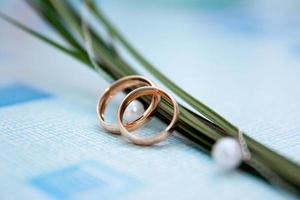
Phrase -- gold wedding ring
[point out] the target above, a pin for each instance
(120, 85)
(142, 91)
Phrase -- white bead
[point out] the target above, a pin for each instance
(133, 111)
(227, 153)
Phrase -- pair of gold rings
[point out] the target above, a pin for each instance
(143, 87)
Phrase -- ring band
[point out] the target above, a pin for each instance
(142, 91)
(120, 85)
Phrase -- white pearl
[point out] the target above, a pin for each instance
(227, 153)
(133, 111)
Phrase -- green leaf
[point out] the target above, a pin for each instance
(45, 10)
(45, 39)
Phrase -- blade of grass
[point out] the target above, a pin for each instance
(46, 12)
(77, 55)
(45, 39)
(71, 18)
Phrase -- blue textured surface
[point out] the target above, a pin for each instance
(19, 93)
(2, 54)
(83, 179)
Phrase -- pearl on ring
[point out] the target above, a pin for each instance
(227, 153)
(134, 110)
